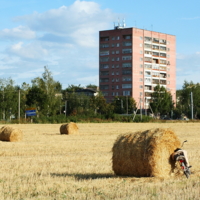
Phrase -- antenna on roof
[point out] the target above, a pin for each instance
(119, 26)
(124, 24)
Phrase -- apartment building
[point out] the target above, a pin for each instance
(133, 61)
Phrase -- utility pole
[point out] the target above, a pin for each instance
(127, 105)
(66, 108)
(140, 107)
(19, 106)
(191, 105)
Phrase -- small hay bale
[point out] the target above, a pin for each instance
(10, 134)
(70, 128)
(145, 154)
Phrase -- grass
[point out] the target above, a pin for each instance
(47, 165)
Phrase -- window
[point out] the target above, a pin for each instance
(104, 59)
(127, 44)
(113, 80)
(104, 66)
(104, 53)
(147, 66)
(141, 52)
(126, 65)
(113, 73)
(141, 59)
(118, 37)
(104, 80)
(127, 37)
(163, 55)
(141, 79)
(155, 47)
(162, 41)
(147, 46)
(113, 45)
(126, 86)
(104, 73)
(113, 52)
(126, 79)
(147, 39)
(163, 48)
(105, 93)
(113, 66)
(147, 59)
(117, 52)
(126, 51)
(155, 40)
(117, 59)
(117, 79)
(113, 59)
(104, 45)
(117, 93)
(104, 39)
(141, 38)
(141, 72)
(141, 86)
(124, 72)
(117, 45)
(141, 66)
(126, 57)
(155, 54)
(117, 73)
(117, 87)
(141, 45)
(117, 66)
(104, 87)
(126, 93)
(113, 93)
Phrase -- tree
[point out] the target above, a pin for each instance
(36, 98)
(94, 87)
(52, 89)
(122, 104)
(184, 99)
(161, 102)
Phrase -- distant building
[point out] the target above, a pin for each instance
(87, 92)
(133, 61)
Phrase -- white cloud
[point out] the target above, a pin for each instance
(28, 51)
(65, 39)
(19, 32)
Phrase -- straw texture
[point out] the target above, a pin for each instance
(10, 134)
(70, 128)
(145, 154)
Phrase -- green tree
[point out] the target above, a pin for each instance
(122, 104)
(52, 89)
(161, 102)
(184, 99)
(36, 98)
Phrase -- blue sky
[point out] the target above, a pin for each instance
(63, 35)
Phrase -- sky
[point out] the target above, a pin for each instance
(63, 35)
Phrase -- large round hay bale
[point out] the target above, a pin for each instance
(10, 134)
(145, 154)
(70, 128)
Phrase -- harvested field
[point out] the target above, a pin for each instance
(48, 165)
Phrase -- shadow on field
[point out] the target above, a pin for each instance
(84, 176)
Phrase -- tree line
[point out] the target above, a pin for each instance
(47, 97)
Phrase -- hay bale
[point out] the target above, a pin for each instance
(70, 128)
(145, 154)
(10, 134)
